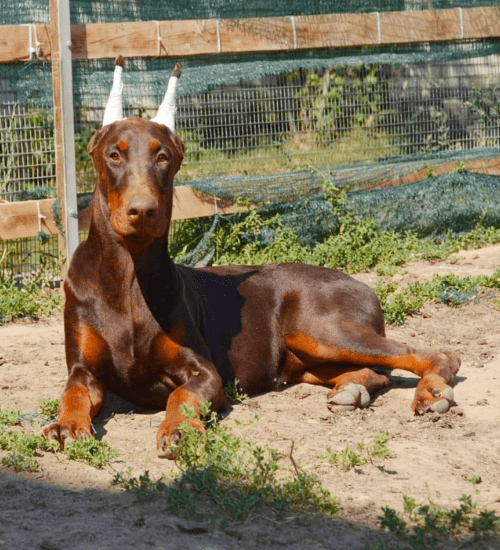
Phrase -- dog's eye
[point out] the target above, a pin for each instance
(162, 158)
(114, 156)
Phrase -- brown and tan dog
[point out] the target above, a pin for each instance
(162, 335)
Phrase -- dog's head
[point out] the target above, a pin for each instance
(136, 161)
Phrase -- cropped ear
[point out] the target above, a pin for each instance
(96, 138)
(177, 152)
(166, 111)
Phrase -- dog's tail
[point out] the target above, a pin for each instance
(166, 112)
(114, 107)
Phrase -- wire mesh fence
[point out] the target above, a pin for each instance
(340, 116)
(27, 157)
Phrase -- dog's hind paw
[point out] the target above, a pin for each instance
(348, 398)
(433, 395)
(446, 401)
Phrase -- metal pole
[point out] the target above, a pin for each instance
(64, 133)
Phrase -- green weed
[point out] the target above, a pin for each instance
(49, 408)
(32, 301)
(378, 448)
(448, 289)
(423, 522)
(91, 451)
(350, 457)
(233, 392)
(22, 449)
(9, 417)
(253, 420)
(353, 245)
(143, 486)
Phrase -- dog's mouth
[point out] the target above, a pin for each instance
(138, 231)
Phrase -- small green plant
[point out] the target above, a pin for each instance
(31, 301)
(9, 417)
(20, 462)
(143, 486)
(22, 448)
(378, 448)
(350, 457)
(391, 520)
(475, 480)
(233, 392)
(421, 521)
(91, 451)
(253, 420)
(448, 289)
(49, 408)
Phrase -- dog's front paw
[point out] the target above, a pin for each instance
(167, 445)
(169, 436)
(66, 432)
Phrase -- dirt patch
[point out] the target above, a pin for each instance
(70, 505)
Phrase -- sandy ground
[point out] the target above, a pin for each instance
(70, 505)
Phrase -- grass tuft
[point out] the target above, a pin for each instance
(421, 525)
(91, 451)
(350, 457)
(49, 408)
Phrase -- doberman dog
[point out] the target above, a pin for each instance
(161, 335)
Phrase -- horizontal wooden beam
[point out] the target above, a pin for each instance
(21, 219)
(26, 219)
(487, 167)
(177, 39)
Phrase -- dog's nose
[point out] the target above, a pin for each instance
(141, 208)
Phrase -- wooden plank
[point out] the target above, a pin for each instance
(20, 219)
(14, 43)
(107, 40)
(417, 26)
(481, 22)
(256, 34)
(337, 30)
(186, 38)
(177, 39)
(490, 167)
(144, 39)
(190, 204)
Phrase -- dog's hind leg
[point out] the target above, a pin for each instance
(353, 353)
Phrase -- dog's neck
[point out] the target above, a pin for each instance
(153, 270)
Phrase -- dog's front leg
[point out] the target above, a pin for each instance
(204, 384)
(84, 393)
(82, 399)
